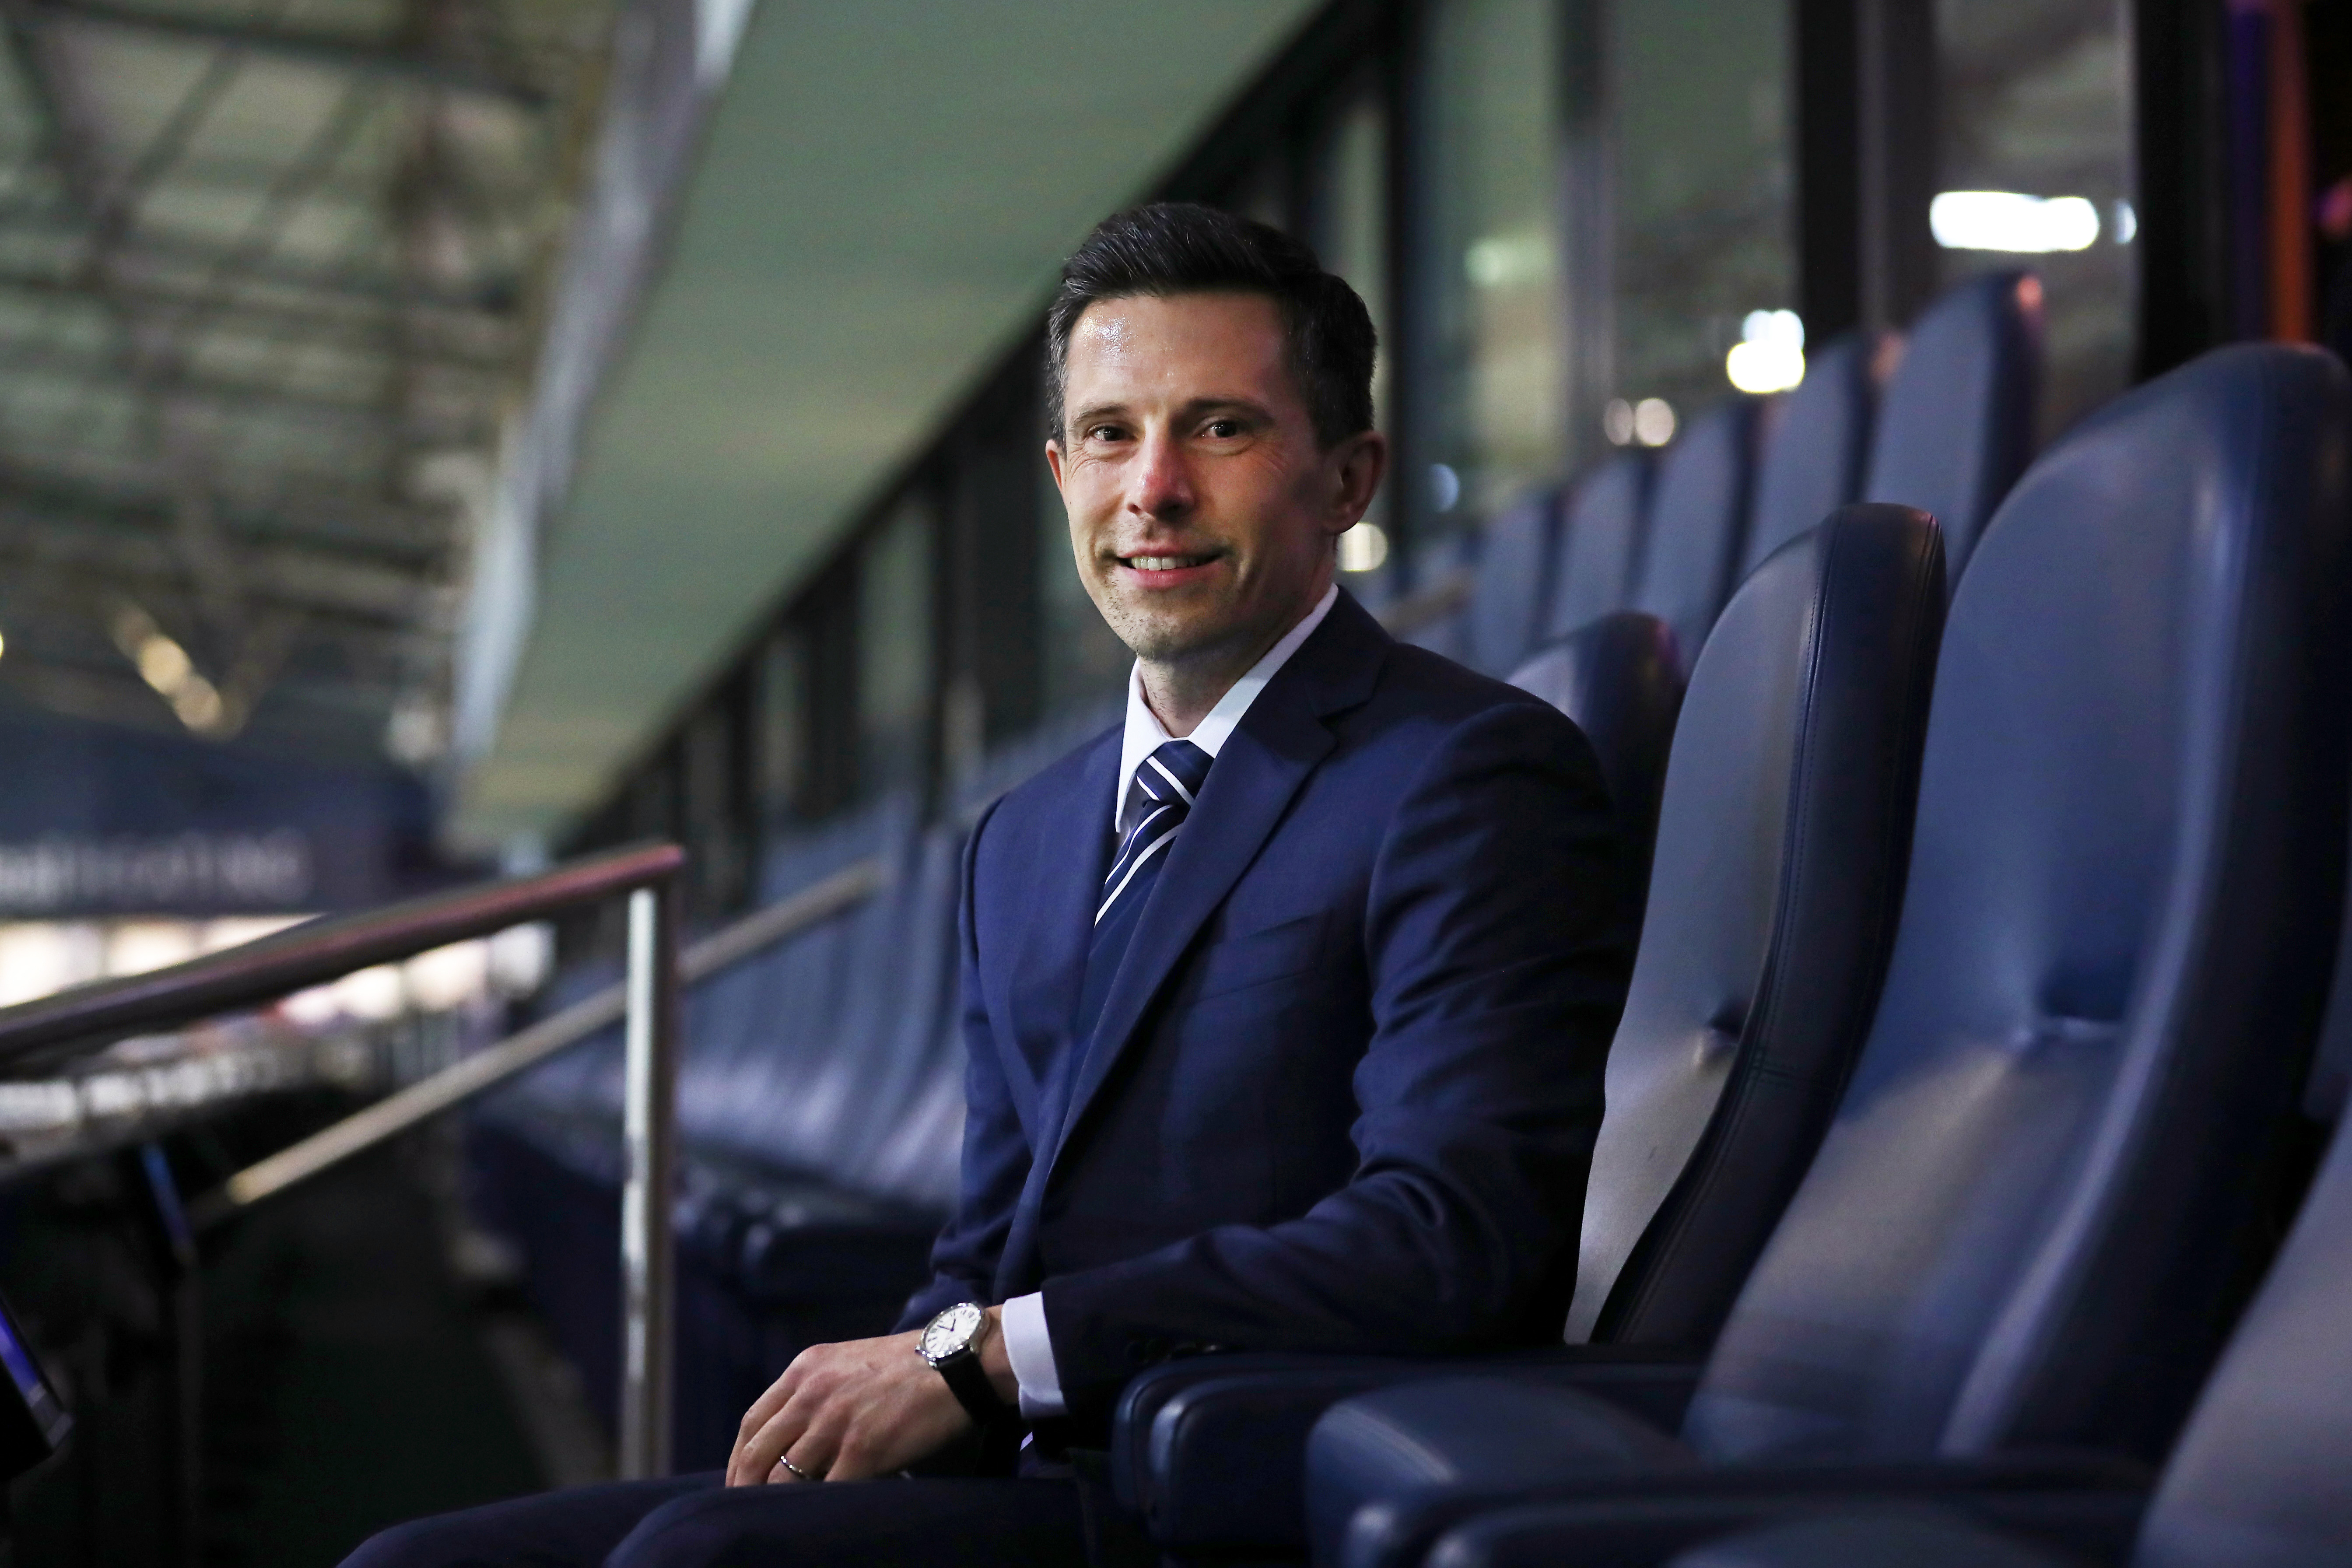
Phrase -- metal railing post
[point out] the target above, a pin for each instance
(650, 1131)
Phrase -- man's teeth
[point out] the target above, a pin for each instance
(1163, 562)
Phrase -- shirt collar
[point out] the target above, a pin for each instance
(1145, 733)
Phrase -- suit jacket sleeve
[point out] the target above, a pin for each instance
(996, 1150)
(1497, 968)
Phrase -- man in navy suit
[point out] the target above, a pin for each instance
(1286, 1001)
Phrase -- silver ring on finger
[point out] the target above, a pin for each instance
(786, 1460)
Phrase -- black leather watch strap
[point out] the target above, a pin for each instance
(968, 1383)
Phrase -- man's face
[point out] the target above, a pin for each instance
(1202, 510)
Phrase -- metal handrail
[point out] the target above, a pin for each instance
(316, 951)
(494, 1065)
(320, 950)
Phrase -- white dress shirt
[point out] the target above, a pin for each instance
(1026, 1342)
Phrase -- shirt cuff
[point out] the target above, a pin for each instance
(1031, 1350)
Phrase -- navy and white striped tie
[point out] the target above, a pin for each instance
(1159, 799)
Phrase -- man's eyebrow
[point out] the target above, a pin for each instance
(1201, 405)
(1193, 409)
(1094, 411)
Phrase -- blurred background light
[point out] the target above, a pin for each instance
(2007, 220)
(1363, 548)
(1770, 353)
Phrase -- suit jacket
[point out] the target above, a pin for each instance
(1343, 1091)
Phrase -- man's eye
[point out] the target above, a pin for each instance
(1224, 429)
(1105, 432)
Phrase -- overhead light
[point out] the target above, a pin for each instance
(164, 665)
(1770, 353)
(1654, 422)
(2007, 220)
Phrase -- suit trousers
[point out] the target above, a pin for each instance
(694, 1522)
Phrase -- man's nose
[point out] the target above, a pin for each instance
(1163, 481)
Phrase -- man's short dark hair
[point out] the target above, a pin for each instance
(1177, 247)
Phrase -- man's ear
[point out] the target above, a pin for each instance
(1362, 460)
(1053, 459)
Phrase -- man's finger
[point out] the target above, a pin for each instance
(806, 1428)
(763, 1410)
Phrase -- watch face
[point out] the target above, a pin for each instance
(950, 1331)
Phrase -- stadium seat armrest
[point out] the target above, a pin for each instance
(2087, 1506)
(1862, 1529)
(1212, 1450)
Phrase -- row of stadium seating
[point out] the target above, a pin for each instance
(1941, 1156)
(820, 1095)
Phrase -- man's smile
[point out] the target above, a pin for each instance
(1168, 569)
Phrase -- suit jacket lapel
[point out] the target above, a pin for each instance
(1279, 742)
(1050, 959)
(1048, 968)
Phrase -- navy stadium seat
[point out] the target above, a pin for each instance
(1781, 851)
(1619, 679)
(1505, 618)
(1817, 439)
(1448, 566)
(820, 1113)
(2258, 1478)
(1600, 542)
(1698, 522)
(2032, 1220)
(1955, 424)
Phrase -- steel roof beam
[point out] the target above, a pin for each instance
(326, 50)
(111, 482)
(281, 573)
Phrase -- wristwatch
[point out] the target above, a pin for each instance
(951, 1342)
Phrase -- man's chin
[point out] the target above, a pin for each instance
(1165, 635)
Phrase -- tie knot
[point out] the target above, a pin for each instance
(1171, 775)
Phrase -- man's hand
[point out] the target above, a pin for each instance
(865, 1407)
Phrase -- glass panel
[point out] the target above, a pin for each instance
(1084, 662)
(783, 725)
(1259, 195)
(1704, 231)
(1490, 174)
(1354, 244)
(894, 650)
(2034, 97)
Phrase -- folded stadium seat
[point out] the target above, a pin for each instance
(1956, 423)
(1698, 522)
(1601, 544)
(2258, 1477)
(1780, 857)
(1513, 590)
(2029, 1223)
(784, 1238)
(1816, 442)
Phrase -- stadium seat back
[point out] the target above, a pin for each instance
(1956, 426)
(1781, 852)
(1600, 544)
(2259, 1474)
(1514, 583)
(2028, 1220)
(1698, 522)
(1619, 679)
(1816, 441)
